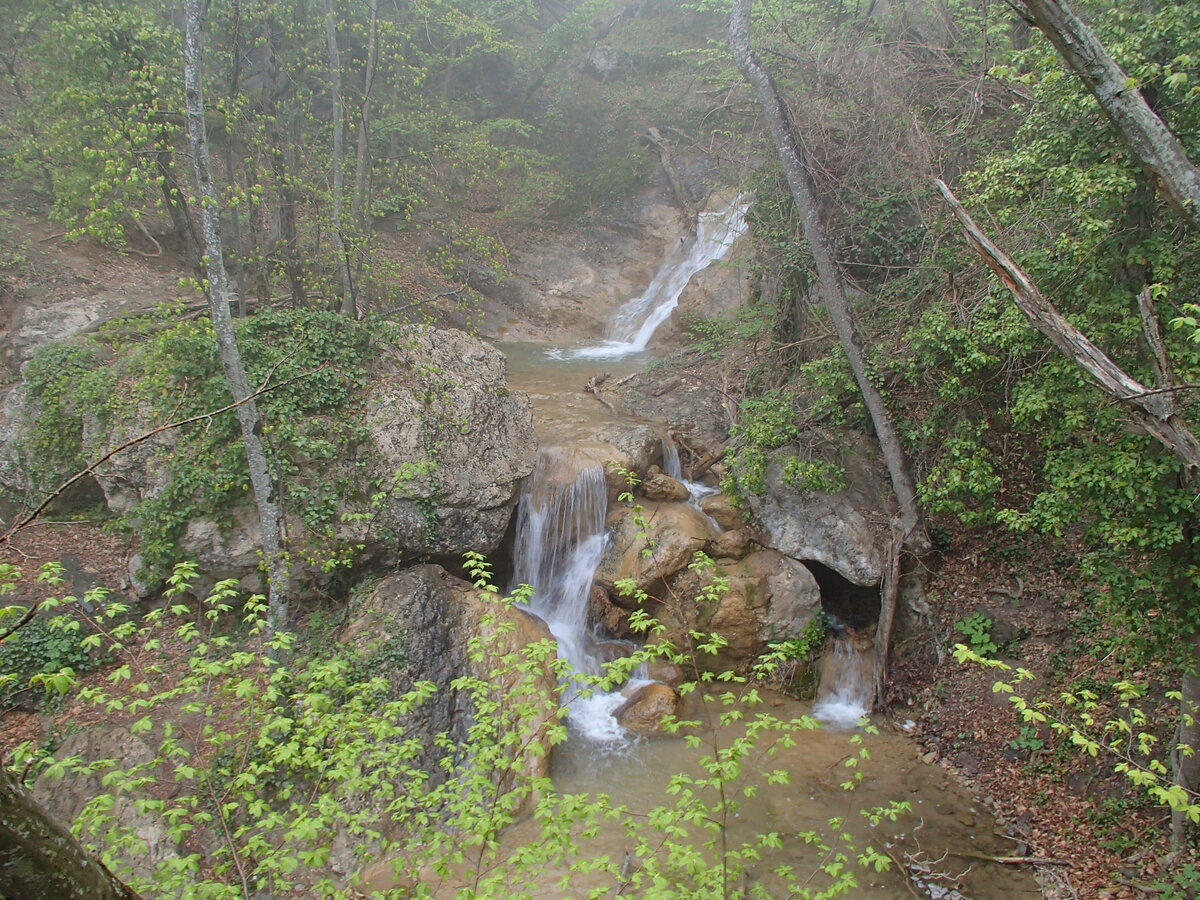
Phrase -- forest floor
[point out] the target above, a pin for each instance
(1054, 802)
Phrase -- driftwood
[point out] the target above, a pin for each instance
(593, 387)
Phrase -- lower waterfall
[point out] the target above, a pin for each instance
(560, 539)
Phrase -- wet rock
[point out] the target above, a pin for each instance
(673, 532)
(646, 708)
(767, 597)
(722, 511)
(416, 625)
(639, 445)
(731, 545)
(666, 672)
(688, 405)
(662, 488)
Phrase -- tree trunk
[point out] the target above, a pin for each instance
(41, 860)
(231, 360)
(359, 212)
(1186, 757)
(832, 289)
(235, 215)
(1146, 135)
(176, 204)
(1153, 411)
(339, 160)
(279, 139)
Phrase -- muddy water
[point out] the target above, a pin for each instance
(947, 832)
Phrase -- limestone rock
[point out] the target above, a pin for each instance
(646, 708)
(641, 445)
(674, 531)
(417, 625)
(64, 798)
(662, 488)
(731, 545)
(768, 596)
(722, 511)
(813, 525)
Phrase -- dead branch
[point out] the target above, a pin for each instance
(1151, 411)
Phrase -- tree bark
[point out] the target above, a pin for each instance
(359, 212)
(280, 139)
(1144, 132)
(231, 360)
(41, 860)
(832, 289)
(339, 160)
(231, 130)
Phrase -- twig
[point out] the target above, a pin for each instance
(157, 246)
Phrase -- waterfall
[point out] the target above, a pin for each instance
(847, 680)
(560, 538)
(637, 320)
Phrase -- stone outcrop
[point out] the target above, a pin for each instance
(446, 445)
(830, 528)
(423, 624)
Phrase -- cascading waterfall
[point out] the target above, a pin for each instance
(637, 320)
(560, 538)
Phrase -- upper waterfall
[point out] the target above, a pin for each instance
(636, 321)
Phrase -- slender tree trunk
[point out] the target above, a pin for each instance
(1186, 757)
(832, 290)
(359, 212)
(231, 129)
(41, 860)
(1144, 132)
(339, 160)
(176, 203)
(279, 140)
(231, 360)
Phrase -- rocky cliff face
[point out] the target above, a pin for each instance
(445, 447)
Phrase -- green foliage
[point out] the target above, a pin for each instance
(712, 336)
(1107, 722)
(1182, 885)
(271, 756)
(167, 370)
(977, 628)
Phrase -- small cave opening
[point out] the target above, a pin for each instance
(850, 604)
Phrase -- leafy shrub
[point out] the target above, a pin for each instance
(977, 629)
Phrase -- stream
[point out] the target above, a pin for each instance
(942, 850)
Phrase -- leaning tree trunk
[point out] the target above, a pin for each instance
(1144, 132)
(231, 359)
(831, 286)
(41, 860)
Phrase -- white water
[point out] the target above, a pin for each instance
(560, 539)
(637, 320)
(846, 685)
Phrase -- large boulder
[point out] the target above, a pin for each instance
(764, 597)
(450, 443)
(651, 546)
(830, 528)
(445, 446)
(65, 794)
(423, 624)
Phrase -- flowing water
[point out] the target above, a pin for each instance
(636, 321)
(560, 538)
